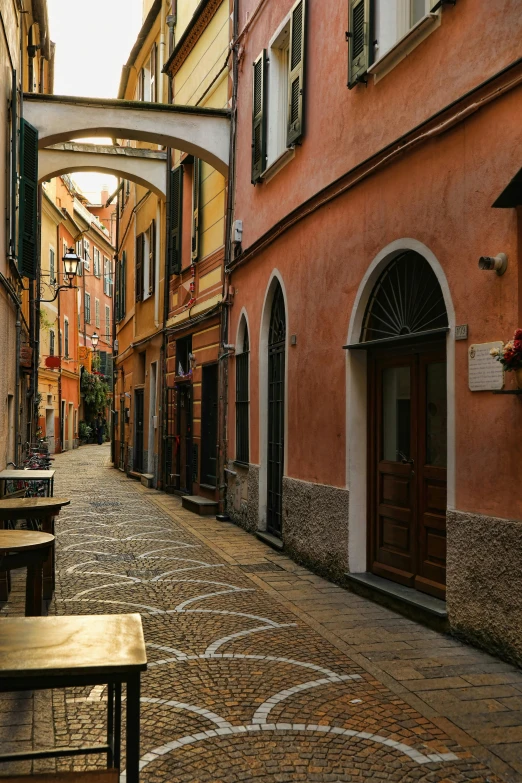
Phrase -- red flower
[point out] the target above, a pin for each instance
(518, 334)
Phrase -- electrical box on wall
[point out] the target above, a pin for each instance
(238, 231)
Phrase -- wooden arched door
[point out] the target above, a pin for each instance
(404, 331)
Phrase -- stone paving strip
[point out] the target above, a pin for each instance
(259, 670)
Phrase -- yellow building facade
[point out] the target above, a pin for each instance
(169, 279)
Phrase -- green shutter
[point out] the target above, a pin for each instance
(117, 290)
(296, 72)
(28, 217)
(103, 362)
(152, 255)
(140, 246)
(259, 118)
(196, 183)
(359, 22)
(175, 218)
(123, 282)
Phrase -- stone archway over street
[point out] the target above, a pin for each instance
(200, 132)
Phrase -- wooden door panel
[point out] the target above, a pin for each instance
(408, 501)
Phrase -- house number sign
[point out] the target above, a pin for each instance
(484, 372)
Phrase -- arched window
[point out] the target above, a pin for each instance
(242, 398)
(276, 413)
(406, 300)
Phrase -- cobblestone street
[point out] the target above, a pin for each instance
(258, 669)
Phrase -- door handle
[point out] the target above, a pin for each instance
(404, 459)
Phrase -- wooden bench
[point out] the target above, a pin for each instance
(97, 776)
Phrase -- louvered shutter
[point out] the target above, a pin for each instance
(152, 256)
(117, 291)
(139, 266)
(295, 125)
(103, 362)
(110, 369)
(359, 23)
(123, 282)
(196, 172)
(28, 217)
(175, 217)
(259, 118)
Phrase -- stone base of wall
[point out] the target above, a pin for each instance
(484, 582)
(315, 526)
(243, 496)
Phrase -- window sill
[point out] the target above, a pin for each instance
(278, 164)
(405, 45)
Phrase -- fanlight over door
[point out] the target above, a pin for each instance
(406, 300)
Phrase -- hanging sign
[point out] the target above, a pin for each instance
(484, 372)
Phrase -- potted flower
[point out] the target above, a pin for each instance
(510, 356)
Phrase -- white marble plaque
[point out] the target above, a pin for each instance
(485, 373)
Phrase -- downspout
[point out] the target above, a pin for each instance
(60, 369)
(162, 483)
(224, 364)
(114, 369)
(35, 313)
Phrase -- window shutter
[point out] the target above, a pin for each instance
(295, 124)
(259, 118)
(152, 256)
(196, 180)
(123, 282)
(28, 219)
(175, 218)
(358, 40)
(117, 291)
(139, 266)
(103, 362)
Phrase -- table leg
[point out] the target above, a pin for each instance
(133, 730)
(33, 590)
(49, 564)
(4, 575)
(110, 724)
(117, 725)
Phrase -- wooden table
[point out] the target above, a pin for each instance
(61, 652)
(45, 509)
(26, 548)
(27, 475)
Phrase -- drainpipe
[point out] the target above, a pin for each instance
(114, 370)
(35, 316)
(224, 364)
(58, 254)
(166, 284)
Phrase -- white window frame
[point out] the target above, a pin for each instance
(398, 32)
(278, 65)
(87, 298)
(107, 323)
(97, 313)
(52, 264)
(146, 264)
(66, 337)
(107, 276)
(96, 262)
(87, 254)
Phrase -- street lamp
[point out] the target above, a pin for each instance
(71, 265)
(94, 340)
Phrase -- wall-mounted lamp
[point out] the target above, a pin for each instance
(71, 267)
(496, 264)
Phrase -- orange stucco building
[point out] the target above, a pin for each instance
(365, 436)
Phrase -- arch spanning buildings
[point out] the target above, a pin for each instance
(202, 132)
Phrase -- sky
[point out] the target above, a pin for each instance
(93, 41)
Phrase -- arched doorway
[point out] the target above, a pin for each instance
(276, 413)
(404, 331)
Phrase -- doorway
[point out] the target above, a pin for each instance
(276, 414)
(209, 426)
(137, 462)
(184, 438)
(404, 332)
(152, 416)
(408, 467)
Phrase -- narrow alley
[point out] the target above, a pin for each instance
(258, 669)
